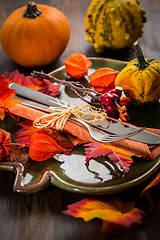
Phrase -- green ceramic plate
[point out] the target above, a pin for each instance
(71, 173)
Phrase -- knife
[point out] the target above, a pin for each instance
(41, 101)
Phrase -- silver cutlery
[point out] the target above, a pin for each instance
(98, 131)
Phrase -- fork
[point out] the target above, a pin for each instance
(100, 135)
(97, 133)
(41, 101)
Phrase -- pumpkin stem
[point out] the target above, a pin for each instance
(141, 60)
(31, 11)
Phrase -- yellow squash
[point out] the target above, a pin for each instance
(113, 24)
(140, 79)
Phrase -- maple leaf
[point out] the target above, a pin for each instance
(6, 98)
(23, 134)
(117, 155)
(112, 211)
(5, 141)
(43, 146)
(103, 79)
(44, 86)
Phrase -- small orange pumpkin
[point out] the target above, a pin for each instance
(36, 35)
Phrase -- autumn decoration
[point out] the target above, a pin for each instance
(22, 38)
(103, 79)
(5, 141)
(113, 24)
(42, 144)
(117, 155)
(112, 212)
(140, 79)
(6, 98)
(77, 65)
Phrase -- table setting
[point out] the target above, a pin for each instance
(80, 131)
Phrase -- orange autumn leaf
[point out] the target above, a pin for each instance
(112, 212)
(44, 86)
(119, 156)
(153, 183)
(103, 79)
(43, 146)
(6, 98)
(5, 141)
(77, 65)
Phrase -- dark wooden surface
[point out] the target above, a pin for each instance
(39, 216)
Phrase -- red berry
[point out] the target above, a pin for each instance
(116, 91)
(107, 98)
(116, 97)
(111, 109)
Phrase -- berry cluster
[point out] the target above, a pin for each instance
(115, 105)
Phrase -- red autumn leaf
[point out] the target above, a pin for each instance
(117, 155)
(112, 212)
(23, 135)
(77, 65)
(43, 147)
(103, 79)
(44, 86)
(5, 141)
(63, 141)
(6, 98)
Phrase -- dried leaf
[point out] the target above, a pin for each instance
(63, 141)
(6, 98)
(18, 155)
(117, 155)
(23, 135)
(153, 183)
(111, 211)
(103, 79)
(44, 86)
(43, 146)
(77, 65)
(5, 141)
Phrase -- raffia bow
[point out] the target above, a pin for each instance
(60, 116)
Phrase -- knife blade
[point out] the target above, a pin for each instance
(42, 102)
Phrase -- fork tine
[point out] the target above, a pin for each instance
(113, 138)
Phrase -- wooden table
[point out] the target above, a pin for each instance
(39, 216)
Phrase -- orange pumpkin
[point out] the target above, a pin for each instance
(36, 35)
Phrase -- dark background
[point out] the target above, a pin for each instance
(39, 216)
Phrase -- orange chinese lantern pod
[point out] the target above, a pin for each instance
(77, 65)
(124, 101)
(103, 78)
